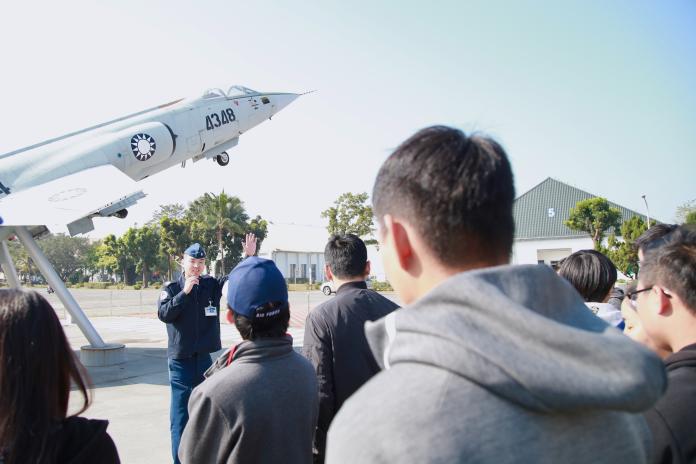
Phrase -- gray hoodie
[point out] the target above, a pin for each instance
(500, 365)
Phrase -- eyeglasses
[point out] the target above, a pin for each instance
(633, 296)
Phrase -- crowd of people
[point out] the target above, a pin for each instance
(486, 362)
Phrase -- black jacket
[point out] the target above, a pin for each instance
(83, 441)
(77, 440)
(673, 419)
(189, 330)
(335, 343)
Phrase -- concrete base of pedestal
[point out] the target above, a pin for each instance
(108, 355)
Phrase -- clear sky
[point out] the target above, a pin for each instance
(600, 95)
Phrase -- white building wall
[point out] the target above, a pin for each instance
(531, 251)
(285, 259)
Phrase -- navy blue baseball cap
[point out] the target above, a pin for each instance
(195, 251)
(253, 283)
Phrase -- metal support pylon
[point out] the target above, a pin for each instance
(59, 287)
(8, 266)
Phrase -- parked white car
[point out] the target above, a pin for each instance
(329, 287)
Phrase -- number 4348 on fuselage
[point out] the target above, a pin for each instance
(65, 182)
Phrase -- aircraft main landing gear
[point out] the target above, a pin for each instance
(223, 159)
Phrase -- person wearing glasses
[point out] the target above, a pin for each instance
(665, 302)
(632, 325)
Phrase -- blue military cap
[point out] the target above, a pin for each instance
(195, 251)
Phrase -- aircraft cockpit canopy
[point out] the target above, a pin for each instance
(240, 91)
(232, 92)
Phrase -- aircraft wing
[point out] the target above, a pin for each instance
(70, 203)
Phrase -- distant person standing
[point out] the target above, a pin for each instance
(593, 275)
(190, 306)
(334, 337)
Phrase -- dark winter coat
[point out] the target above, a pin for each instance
(673, 420)
(334, 341)
(189, 330)
(77, 440)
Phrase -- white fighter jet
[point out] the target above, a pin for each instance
(63, 183)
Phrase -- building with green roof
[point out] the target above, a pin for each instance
(540, 233)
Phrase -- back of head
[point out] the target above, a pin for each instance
(346, 255)
(258, 296)
(37, 366)
(591, 273)
(456, 190)
(653, 237)
(673, 265)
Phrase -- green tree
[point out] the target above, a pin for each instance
(594, 216)
(175, 236)
(92, 259)
(115, 255)
(350, 215)
(259, 227)
(23, 263)
(218, 221)
(172, 211)
(690, 218)
(147, 242)
(68, 255)
(684, 210)
(622, 252)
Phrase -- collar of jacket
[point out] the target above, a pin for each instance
(684, 357)
(357, 284)
(263, 348)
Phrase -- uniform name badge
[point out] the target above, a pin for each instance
(211, 311)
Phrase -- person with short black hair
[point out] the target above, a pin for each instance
(486, 362)
(665, 302)
(334, 337)
(37, 370)
(593, 275)
(259, 401)
(652, 237)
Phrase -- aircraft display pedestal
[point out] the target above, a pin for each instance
(107, 355)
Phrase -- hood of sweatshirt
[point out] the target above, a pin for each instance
(524, 334)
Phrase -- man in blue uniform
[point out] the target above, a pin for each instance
(190, 306)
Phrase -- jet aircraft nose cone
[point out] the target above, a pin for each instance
(282, 100)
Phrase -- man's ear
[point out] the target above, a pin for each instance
(664, 299)
(230, 316)
(401, 242)
(367, 269)
(327, 272)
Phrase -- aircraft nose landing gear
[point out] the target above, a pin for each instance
(223, 159)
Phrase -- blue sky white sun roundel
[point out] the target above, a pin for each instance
(143, 146)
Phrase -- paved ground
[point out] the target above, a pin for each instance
(134, 396)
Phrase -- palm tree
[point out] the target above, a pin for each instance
(224, 215)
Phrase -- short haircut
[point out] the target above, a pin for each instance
(591, 273)
(346, 255)
(654, 236)
(673, 265)
(267, 327)
(455, 189)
